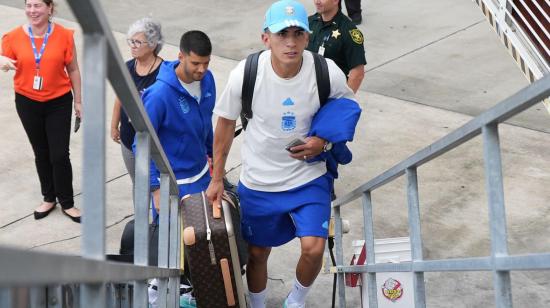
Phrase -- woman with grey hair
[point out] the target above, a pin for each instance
(145, 41)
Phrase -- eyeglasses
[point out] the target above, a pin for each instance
(136, 43)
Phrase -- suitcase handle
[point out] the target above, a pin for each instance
(216, 209)
(226, 197)
(224, 264)
(189, 238)
(217, 206)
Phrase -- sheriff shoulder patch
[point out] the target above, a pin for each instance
(356, 36)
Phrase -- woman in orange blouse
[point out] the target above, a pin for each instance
(43, 55)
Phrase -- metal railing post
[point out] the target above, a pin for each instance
(93, 181)
(55, 297)
(175, 249)
(6, 297)
(339, 256)
(416, 236)
(164, 227)
(126, 297)
(76, 294)
(37, 297)
(112, 295)
(369, 247)
(497, 215)
(142, 201)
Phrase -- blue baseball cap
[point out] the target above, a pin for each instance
(284, 14)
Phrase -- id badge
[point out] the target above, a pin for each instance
(37, 83)
(321, 50)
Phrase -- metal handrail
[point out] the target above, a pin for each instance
(508, 108)
(500, 263)
(102, 60)
(49, 268)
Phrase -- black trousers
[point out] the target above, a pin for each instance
(353, 7)
(48, 127)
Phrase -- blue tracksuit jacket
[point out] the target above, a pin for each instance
(184, 126)
(336, 122)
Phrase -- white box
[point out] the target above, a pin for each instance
(394, 289)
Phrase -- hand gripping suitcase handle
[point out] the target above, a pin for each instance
(217, 209)
(217, 205)
(226, 274)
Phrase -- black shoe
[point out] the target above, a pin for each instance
(356, 20)
(73, 218)
(40, 215)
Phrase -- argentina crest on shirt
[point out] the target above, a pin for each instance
(184, 105)
(288, 121)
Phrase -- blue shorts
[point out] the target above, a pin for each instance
(272, 219)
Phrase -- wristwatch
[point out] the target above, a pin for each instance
(327, 147)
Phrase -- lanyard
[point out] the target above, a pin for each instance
(325, 39)
(38, 55)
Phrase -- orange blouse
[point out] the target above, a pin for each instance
(58, 53)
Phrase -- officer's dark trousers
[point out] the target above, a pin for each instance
(353, 7)
(48, 127)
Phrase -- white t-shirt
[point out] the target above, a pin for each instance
(282, 110)
(193, 88)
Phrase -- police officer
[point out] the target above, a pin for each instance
(335, 37)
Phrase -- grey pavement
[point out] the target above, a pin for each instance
(438, 53)
(433, 65)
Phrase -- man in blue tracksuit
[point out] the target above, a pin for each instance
(179, 105)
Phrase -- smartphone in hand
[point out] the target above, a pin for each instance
(293, 143)
(76, 124)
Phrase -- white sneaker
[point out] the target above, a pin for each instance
(293, 305)
(153, 293)
(186, 297)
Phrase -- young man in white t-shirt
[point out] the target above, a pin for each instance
(282, 195)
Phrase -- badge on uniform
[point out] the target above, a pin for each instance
(356, 36)
(184, 105)
(37, 83)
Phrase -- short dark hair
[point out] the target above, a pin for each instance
(197, 42)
